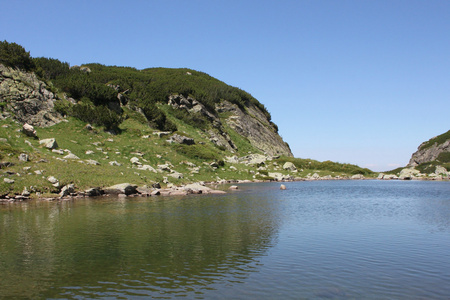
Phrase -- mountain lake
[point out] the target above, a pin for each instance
(346, 239)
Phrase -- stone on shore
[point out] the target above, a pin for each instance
(122, 188)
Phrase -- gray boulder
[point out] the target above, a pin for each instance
(8, 180)
(179, 139)
(408, 173)
(67, 190)
(122, 188)
(29, 130)
(49, 143)
(289, 166)
(71, 156)
(24, 157)
(93, 192)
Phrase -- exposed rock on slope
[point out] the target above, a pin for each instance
(431, 150)
(250, 123)
(26, 99)
(255, 126)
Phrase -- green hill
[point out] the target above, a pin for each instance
(119, 124)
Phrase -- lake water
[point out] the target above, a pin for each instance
(315, 240)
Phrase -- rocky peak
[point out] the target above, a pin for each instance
(431, 150)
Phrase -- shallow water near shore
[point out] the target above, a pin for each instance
(315, 240)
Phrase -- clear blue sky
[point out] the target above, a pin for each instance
(362, 82)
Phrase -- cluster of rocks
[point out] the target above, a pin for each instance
(27, 98)
(411, 173)
(121, 190)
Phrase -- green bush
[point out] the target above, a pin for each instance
(444, 157)
(97, 115)
(15, 56)
(49, 68)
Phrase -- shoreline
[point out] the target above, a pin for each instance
(197, 188)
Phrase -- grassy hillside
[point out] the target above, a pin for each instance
(128, 107)
(136, 140)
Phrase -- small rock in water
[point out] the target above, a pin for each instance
(282, 187)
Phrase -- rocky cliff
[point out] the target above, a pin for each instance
(26, 99)
(434, 149)
(249, 122)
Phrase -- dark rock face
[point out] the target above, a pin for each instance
(27, 98)
(430, 153)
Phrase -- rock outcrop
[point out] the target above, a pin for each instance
(431, 150)
(249, 122)
(26, 99)
(255, 126)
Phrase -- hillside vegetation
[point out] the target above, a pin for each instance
(119, 124)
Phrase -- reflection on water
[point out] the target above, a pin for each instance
(315, 240)
(132, 247)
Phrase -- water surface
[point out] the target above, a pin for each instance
(315, 240)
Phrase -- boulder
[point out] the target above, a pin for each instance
(29, 130)
(25, 192)
(289, 166)
(92, 192)
(176, 175)
(49, 143)
(146, 168)
(135, 161)
(234, 187)
(24, 157)
(282, 187)
(67, 190)
(52, 180)
(60, 152)
(8, 180)
(253, 159)
(164, 167)
(357, 176)
(71, 156)
(408, 173)
(279, 176)
(114, 163)
(122, 188)
(92, 162)
(197, 187)
(179, 139)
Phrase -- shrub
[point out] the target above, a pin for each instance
(97, 115)
(14, 55)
